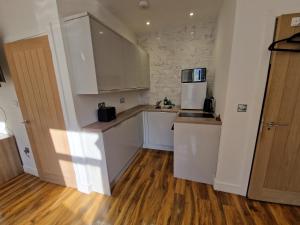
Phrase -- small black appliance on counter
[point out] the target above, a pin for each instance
(106, 114)
(209, 105)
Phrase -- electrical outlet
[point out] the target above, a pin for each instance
(27, 152)
(242, 107)
(122, 100)
(295, 22)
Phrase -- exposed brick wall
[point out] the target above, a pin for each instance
(175, 49)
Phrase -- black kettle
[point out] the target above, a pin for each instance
(209, 105)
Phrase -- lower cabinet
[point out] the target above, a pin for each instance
(196, 151)
(158, 133)
(121, 143)
(109, 153)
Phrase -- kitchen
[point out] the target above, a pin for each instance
(147, 126)
(149, 116)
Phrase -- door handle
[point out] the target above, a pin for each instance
(274, 124)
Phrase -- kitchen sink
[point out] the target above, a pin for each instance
(196, 115)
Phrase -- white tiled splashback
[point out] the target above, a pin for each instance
(174, 49)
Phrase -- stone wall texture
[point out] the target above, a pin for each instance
(174, 49)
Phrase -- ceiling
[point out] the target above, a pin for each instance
(161, 13)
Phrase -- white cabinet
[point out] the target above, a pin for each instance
(80, 55)
(121, 143)
(143, 72)
(196, 148)
(131, 65)
(101, 60)
(158, 132)
(108, 53)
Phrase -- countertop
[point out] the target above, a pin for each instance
(125, 115)
(207, 121)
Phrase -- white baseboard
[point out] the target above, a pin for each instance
(30, 170)
(159, 147)
(227, 187)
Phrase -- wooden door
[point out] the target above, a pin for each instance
(32, 70)
(276, 168)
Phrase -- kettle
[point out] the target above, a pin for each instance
(209, 105)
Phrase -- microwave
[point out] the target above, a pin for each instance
(193, 75)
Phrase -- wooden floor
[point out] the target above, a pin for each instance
(147, 194)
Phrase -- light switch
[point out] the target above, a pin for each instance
(295, 22)
(122, 100)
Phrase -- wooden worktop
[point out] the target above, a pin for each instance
(208, 121)
(197, 120)
(125, 115)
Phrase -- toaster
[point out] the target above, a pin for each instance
(106, 114)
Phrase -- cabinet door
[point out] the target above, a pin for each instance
(108, 54)
(196, 151)
(158, 130)
(130, 66)
(80, 56)
(140, 130)
(143, 69)
(121, 144)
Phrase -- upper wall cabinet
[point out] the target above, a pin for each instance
(102, 60)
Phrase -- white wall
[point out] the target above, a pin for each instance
(222, 53)
(86, 105)
(18, 20)
(253, 32)
(174, 49)
(22, 19)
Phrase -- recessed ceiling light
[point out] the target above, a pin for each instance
(191, 14)
(144, 4)
(148, 23)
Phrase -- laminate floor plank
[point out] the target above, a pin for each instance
(146, 194)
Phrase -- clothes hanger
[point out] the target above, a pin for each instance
(294, 39)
